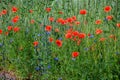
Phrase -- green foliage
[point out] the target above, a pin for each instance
(96, 61)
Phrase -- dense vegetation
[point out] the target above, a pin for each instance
(60, 39)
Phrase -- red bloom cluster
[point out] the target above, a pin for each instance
(71, 34)
(75, 35)
(16, 29)
(4, 11)
(68, 21)
(15, 19)
(10, 28)
(61, 21)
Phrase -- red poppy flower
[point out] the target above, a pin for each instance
(77, 22)
(1, 31)
(51, 19)
(31, 11)
(82, 35)
(74, 18)
(102, 39)
(118, 25)
(75, 54)
(99, 21)
(57, 30)
(14, 9)
(15, 19)
(109, 17)
(83, 12)
(50, 39)
(107, 8)
(70, 20)
(89, 34)
(68, 36)
(6, 33)
(48, 28)
(9, 28)
(75, 33)
(35, 43)
(48, 9)
(61, 21)
(59, 43)
(16, 29)
(98, 31)
(4, 12)
(74, 39)
(32, 21)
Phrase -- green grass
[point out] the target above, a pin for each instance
(96, 61)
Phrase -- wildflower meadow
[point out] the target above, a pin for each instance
(59, 39)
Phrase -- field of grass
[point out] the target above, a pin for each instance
(60, 39)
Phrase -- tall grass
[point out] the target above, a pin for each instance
(96, 61)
